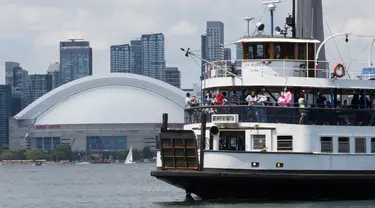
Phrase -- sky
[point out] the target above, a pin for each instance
(31, 29)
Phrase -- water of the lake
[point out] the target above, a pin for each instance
(110, 186)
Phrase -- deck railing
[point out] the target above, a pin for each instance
(285, 67)
(286, 115)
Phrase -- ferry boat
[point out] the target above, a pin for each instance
(313, 137)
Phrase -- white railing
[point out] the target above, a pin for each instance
(287, 68)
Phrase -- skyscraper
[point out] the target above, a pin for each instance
(204, 50)
(136, 56)
(17, 78)
(309, 22)
(39, 84)
(238, 54)
(120, 58)
(215, 40)
(5, 113)
(9, 66)
(53, 70)
(75, 60)
(173, 76)
(153, 56)
(212, 43)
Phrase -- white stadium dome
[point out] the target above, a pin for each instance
(113, 98)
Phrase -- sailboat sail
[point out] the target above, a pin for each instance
(129, 158)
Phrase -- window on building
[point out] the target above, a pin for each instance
(344, 146)
(259, 141)
(326, 144)
(284, 143)
(360, 145)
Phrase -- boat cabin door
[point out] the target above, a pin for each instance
(257, 140)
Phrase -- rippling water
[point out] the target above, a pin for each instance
(110, 186)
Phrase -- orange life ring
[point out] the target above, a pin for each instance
(339, 65)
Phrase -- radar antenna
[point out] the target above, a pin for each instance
(271, 7)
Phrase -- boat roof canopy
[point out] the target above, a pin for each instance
(263, 39)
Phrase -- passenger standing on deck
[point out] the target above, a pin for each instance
(262, 111)
(373, 108)
(320, 114)
(188, 113)
(234, 99)
(187, 100)
(251, 100)
(219, 100)
(302, 106)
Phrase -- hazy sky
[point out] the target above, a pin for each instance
(30, 30)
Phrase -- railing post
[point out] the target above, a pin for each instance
(203, 139)
(322, 44)
(370, 54)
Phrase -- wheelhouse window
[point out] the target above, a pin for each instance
(344, 146)
(373, 145)
(259, 142)
(256, 51)
(232, 140)
(284, 51)
(326, 144)
(360, 145)
(284, 143)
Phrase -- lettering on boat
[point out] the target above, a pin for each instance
(225, 118)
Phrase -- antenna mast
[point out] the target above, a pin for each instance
(294, 19)
(248, 19)
(271, 7)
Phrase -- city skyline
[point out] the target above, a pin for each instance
(32, 37)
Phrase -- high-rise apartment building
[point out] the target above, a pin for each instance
(53, 70)
(39, 84)
(120, 57)
(75, 60)
(212, 43)
(136, 56)
(204, 51)
(153, 56)
(5, 113)
(227, 54)
(215, 40)
(173, 76)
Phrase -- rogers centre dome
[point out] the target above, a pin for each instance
(98, 107)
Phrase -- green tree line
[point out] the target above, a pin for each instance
(64, 152)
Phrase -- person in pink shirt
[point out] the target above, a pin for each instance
(281, 100)
(285, 99)
(288, 97)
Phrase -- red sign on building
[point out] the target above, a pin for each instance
(54, 126)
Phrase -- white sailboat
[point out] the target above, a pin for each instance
(129, 158)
